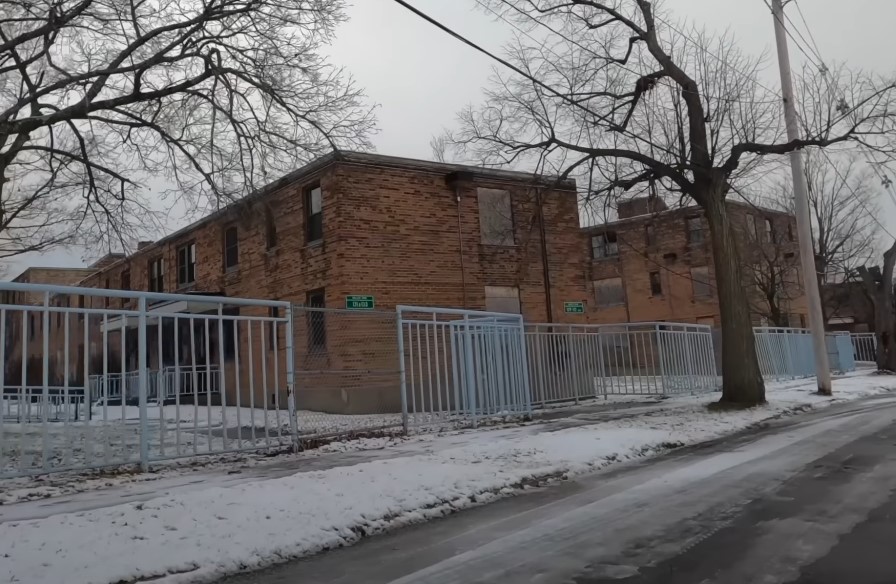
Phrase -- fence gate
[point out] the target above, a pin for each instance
(460, 365)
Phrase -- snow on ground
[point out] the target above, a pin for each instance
(199, 535)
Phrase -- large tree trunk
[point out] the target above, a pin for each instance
(741, 377)
(881, 294)
(885, 315)
(885, 329)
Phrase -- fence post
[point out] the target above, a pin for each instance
(141, 383)
(401, 372)
(662, 351)
(469, 371)
(289, 341)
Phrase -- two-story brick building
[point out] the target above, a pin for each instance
(349, 224)
(655, 264)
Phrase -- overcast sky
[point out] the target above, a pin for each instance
(420, 77)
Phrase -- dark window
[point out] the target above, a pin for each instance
(316, 322)
(270, 229)
(790, 236)
(696, 233)
(604, 245)
(650, 235)
(106, 285)
(273, 312)
(31, 327)
(186, 264)
(314, 217)
(656, 284)
(157, 275)
(80, 305)
(126, 280)
(231, 248)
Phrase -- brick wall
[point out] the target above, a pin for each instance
(673, 257)
(393, 231)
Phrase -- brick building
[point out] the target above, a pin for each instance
(23, 330)
(655, 264)
(350, 224)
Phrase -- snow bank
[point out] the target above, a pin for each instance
(198, 536)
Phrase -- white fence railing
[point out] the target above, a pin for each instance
(186, 380)
(865, 347)
(203, 375)
(461, 365)
(572, 362)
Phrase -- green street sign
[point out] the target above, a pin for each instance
(359, 303)
(574, 307)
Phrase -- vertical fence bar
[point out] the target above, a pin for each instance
(68, 445)
(402, 382)
(45, 329)
(289, 341)
(141, 383)
(2, 386)
(252, 380)
(222, 377)
(177, 385)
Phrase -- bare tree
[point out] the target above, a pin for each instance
(843, 201)
(98, 98)
(615, 94)
(771, 273)
(880, 287)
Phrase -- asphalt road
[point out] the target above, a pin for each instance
(806, 501)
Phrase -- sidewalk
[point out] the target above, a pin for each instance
(198, 526)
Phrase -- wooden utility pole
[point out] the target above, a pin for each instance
(801, 197)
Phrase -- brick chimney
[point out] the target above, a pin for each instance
(144, 244)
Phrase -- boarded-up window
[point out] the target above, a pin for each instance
(700, 281)
(495, 217)
(502, 299)
(605, 245)
(609, 292)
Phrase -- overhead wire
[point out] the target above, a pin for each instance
(824, 70)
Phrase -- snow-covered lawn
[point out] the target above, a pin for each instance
(199, 535)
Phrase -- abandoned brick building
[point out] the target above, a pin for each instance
(655, 264)
(394, 231)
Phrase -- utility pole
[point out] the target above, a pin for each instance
(801, 198)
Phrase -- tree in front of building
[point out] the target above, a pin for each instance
(102, 104)
(618, 96)
(879, 284)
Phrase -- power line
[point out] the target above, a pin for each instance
(808, 29)
(799, 45)
(618, 64)
(885, 180)
(531, 78)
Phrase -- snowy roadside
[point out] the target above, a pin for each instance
(199, 535)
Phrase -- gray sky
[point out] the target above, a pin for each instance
(421, 77)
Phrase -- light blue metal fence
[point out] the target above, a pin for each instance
(573, 362)
(63, 406)
(787, 353)
(865, 347)
(461, 365)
